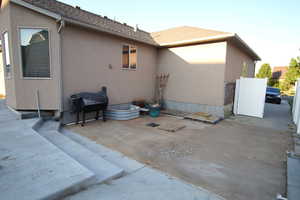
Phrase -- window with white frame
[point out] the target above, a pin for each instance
(35, 52)
(6, 53)
(129, 57)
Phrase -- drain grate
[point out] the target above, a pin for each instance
(153, 124)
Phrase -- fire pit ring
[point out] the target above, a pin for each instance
(122, 112)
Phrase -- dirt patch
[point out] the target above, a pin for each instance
(234, 160)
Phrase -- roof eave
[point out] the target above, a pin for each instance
(210, 39)
(247, 48)
(37, 9)
(197, 40)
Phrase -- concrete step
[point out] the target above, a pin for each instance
(48, 125)
(28, 114)
(103, 169)
(32, 168)
(21, 114)
(110, 155)
(24, 114)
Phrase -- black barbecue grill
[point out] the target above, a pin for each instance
(86, 102)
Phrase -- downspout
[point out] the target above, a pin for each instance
(38, 103)
(60, 82)
(62, 24)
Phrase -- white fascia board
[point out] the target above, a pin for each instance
(203, 39)
(247, 46)
(212, 38)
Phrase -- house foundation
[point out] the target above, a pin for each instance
(220, 111)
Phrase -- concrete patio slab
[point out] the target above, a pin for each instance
(32, 168)
(145, 184)
(5, 113)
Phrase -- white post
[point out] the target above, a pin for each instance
(236, 97)
(295, 102)
(296, 105)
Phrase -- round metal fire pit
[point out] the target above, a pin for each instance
(122, 112)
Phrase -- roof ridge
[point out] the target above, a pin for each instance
(187, 26)
(92, 13)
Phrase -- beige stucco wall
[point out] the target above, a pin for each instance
(5, 19)
(49, 89)
(196, 73)
(234, 63)
(91, 60)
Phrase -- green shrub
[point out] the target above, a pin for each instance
(273, 82)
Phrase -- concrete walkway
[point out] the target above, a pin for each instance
(293, 173)
(6, 114)
(276, 117)
(145, 184)
(31, 168)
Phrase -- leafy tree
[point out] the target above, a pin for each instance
(273, 82)
(292, 74)
(264, 71)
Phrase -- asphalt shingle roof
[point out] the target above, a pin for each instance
(183, 33)
(83, 16)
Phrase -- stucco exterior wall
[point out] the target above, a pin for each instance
(5, 19)
(196, 73)
(49, 89)
(91, 60)
(234, 63)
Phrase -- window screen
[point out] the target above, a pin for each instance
(35, 53)
(129, 57)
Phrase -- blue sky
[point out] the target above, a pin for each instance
(270, 27)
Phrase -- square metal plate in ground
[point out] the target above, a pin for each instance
(153, 124)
